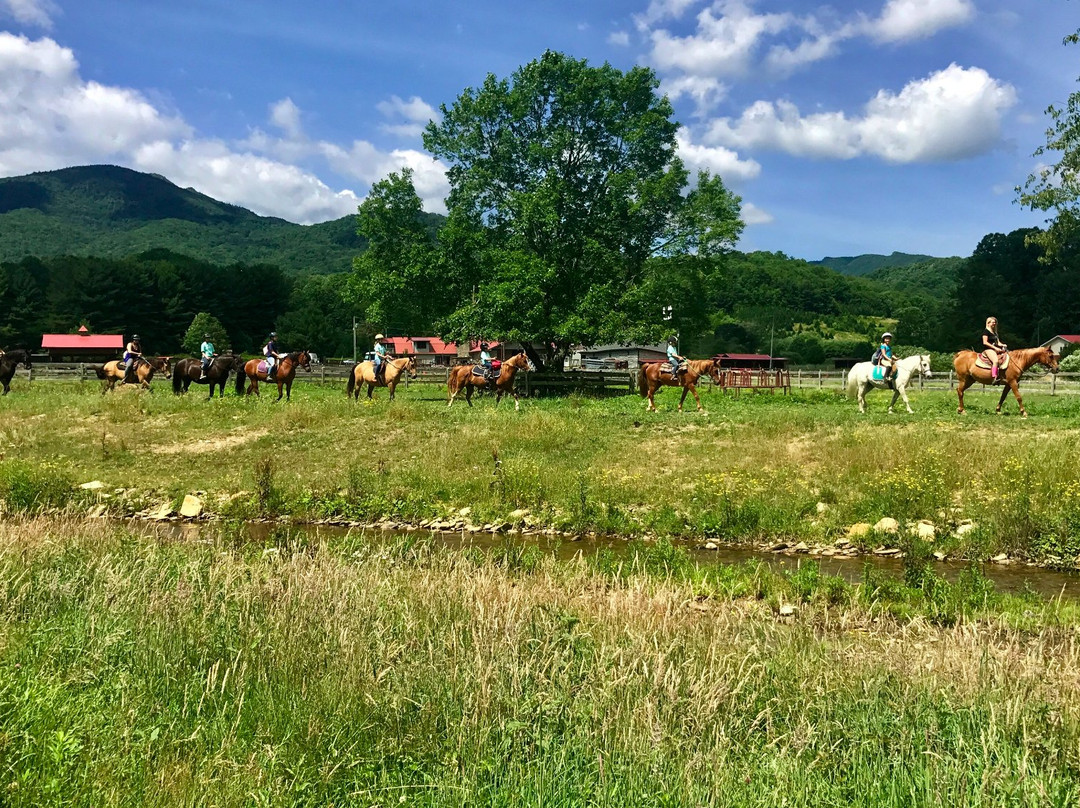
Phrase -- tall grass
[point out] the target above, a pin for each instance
(135, 671)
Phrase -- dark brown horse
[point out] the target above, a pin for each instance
(189, 371)
(967, 373)
(364, 373)
(463, 378)
(144, 369)
(255, 371)
(651, 378)
(9, 360)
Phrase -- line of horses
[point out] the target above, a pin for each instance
(651, 377)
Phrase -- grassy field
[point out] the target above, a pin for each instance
(760, 468)
(137, 671)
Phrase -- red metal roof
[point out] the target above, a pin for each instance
(85, 341)
(403, 345)
(1069, 337)
(758, 356)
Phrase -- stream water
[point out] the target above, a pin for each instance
(1013, 578)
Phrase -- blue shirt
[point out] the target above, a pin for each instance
(672, 353)
(207, 349)
(885, 351)
(380, 349)
(485, 358)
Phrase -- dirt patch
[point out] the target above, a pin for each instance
(204, 445)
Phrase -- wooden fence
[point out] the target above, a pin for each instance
(607, 383)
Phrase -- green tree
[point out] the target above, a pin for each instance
(205, 323)
(396, 279)
(564, 181)
(1055, 188)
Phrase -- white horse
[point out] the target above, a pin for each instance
(861, 378)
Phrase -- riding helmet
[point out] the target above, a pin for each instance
(206, 336)
(886, 334)
(483, 346)
(273, 333)
(134, 337)
(379, 336)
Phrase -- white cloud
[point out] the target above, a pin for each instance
(706, 91)
(30, 12)
(662, 9)
(752, 214)
(952, 114)
(727, 37)
(51, 118)
(406, 118)
(917, 19)
(619, 38)
(717, 160)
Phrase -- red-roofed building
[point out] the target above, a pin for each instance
(1061, 341)
(427, 350)
(83, 346)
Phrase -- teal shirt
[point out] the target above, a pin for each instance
(885, 351)
(380, 349)
(672, 354)
(207, 350)
(485, 358)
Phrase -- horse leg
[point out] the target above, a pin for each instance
(682, 398)
(896, 395)
(279, 393)
(693, 391)
(517, 403)
(468, 394)
(370, 390)
(862, 398)
(964, 383)
(1015, 387)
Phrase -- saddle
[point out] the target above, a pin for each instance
(878, 373)
(263, 367)
(481, 371)
(666, 367)
(983, 362)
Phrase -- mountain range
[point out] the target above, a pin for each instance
(114, 212)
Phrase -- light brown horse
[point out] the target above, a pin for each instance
(1019, 361)
(255, 371)
(144, 369)
(364, 373)
(651, 378)
(462, 377)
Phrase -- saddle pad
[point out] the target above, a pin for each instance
(478, 370)
(665, 367)
(878, 373)
(984, 363)
(263, 367)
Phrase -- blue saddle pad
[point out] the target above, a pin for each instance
(879, 373)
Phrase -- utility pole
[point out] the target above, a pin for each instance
(354, 340)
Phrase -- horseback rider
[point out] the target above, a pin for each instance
(485, 361)
(883, 356)
(675, 359)
(132, 353)
(380, 356)
(208, 353)
(270, 351)
(992, 346)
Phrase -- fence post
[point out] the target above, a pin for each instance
(1053, 384)
(800, 378)
(951, 379)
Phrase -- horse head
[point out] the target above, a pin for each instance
(521, 361)
(924, 366)
(714, 371)
(163, 365)
(303, 359)
(410, 367)
(1049, 358)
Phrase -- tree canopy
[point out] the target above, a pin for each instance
(564, 181)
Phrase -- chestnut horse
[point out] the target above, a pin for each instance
(9, 361)
(255, 370)
(462, 376)
(651, 378)
(1019, 361)
(364, 373)
(144, 370)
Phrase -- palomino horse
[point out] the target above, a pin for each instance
(651, 378)
(364, 373)
(189, 371)
(144, 370)
(255, 370)
(8, 362)
(967, 373)
(861, 379)
(462, 377)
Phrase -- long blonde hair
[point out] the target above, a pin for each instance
(991, 328)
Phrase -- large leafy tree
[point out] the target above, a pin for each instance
(1055, 187)
(564, 181)
(396, 279)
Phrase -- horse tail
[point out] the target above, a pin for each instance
(642, 381)
(351, 384)
(99, 370)
(177, 380)
(241, 377)
(852, 384)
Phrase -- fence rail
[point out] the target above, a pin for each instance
(620, 382)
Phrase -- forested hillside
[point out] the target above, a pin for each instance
(866, 264)
(114, 212)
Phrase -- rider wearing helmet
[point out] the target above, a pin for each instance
(883, 356)
(132, 353)
(380, 355)
(674, 358)
(485, 361)
(270, 351)
(206, 351)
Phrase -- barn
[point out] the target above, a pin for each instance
(82, 346)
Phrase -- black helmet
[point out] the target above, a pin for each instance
(671, 340)
(134, 337)
(273, 333)
(483, 346)
(206, 336)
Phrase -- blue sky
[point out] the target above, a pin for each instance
(847, 127)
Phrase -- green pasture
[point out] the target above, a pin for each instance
(139, 671)
(757, 468)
